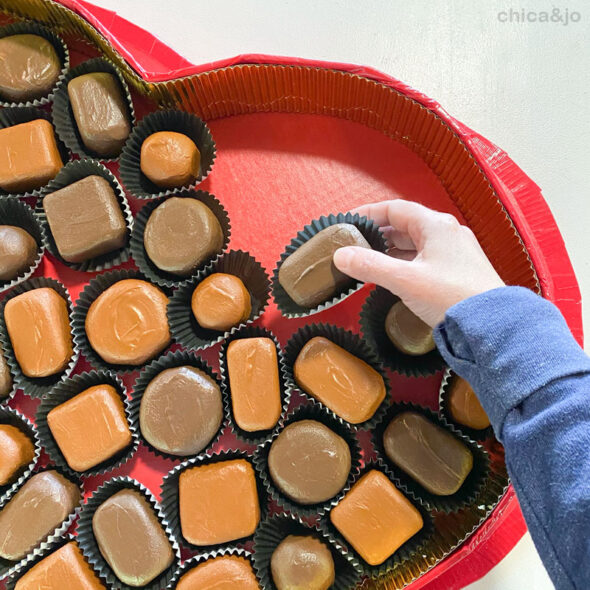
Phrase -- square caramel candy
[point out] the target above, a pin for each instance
(38, 326)
(376, 518)
(91, 427)
(29, 157)
(85, 219)
(218, 502)
(16, 451)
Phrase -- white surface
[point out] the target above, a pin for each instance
(525, 86)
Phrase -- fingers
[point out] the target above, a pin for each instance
(371, 266)
(397, 239)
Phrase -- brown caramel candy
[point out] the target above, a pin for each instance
(16, 451)
(30, 67)
(464, 407)
(18, 250)
(85, 219)
(38, 325)
(29, 157)
(253, 369)
(181, 234)
(5, 377)
(227, 572)
(127, 323)
(91, 427)
(170, 159)
(220, 302)
(308, 275)
(347, 385)
(407, 332)
(427, 453)
(101, 112)
(376, 518)
(218, 503)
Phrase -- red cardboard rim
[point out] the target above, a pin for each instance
(154, 62)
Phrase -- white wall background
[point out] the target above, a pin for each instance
(525, 86)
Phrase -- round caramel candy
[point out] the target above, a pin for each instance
(181, 411)
(308, 462)
(464, 406)
(302, 563)
(18, 250)
(220, 302)
(30, 67)
(181, 234)
(127, 323)
(170, 159)
(407, 331)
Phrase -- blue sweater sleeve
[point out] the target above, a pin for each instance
(533, 380)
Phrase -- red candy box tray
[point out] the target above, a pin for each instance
(297, 139)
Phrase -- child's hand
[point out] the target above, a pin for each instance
(434, 261)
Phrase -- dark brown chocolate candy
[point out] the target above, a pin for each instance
(308, 275)
(302, 563)
(5, 377)
(308, 462)
(101, 112)
(34, 512)
(181, 411)
(181, 234)
(131, 538)
(407, 331)
(30, 67)
(432, 456)
(85, 219)
(18, 250)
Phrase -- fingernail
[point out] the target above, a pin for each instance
(342, 258)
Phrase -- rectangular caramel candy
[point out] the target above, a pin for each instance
(100, 111)
(29, 157)
(308, 275)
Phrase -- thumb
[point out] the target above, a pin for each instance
(371, 266)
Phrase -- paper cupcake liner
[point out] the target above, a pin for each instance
(92, 290)
(134, 180)
(18, 420)
(372, 321)
(443, 401)
(67, 390)
(63, 115)
(311, 411)
(151, 271)
(350, 342)
(473, 484)
(7, 568)
(22, 28)
(178, 358)
(411, 548)
(16, 116)
(273, 530)
(183, 325)
(19, 214)
(70, 173)
(258, 436)
(89, 545)
(193, 562)
(44, 550)
(170, 500)
(370, 231)
(35, 386)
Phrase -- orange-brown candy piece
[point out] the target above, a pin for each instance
(64, 568)
(91, 427)
(16, 451)
(253, 370)
(220, 302)
(38, 325)
(5, 377)
(127, 323)
(464, 406)
(218, 502)
(228, 572)
(29, 157)
(376, 518)
(170, 159)
(347, 385)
